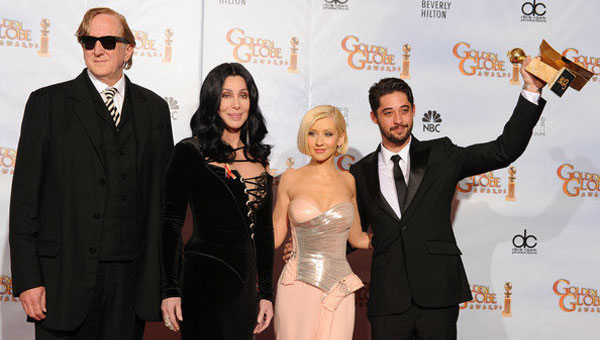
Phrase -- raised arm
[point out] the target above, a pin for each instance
(280, 212)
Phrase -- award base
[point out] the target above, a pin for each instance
(558, 80)
(554, 69)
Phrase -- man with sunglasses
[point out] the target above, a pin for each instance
(86, 195)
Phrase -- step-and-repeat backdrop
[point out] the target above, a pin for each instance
(529, 232)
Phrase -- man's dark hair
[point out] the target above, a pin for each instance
(387, 86)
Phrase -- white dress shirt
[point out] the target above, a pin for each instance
(120, 86)
(385, 169)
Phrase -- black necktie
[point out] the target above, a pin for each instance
(399, 180)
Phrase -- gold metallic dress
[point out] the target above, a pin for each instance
(315, 294)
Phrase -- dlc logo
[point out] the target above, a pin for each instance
(7, 160)
(431, 121)
(533, 11)
(590, 63)
(478, 63)
(574, 298)
(6, 291)
(578, 183)
(249, 49)
(370, 57)
(524, 244)
(13, 33)
(335, 5)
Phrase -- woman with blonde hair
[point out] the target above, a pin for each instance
(315, 293)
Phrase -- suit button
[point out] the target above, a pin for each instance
(96, 215)
(404, 228)
(93, 250)
(123, 176)
(101, 181)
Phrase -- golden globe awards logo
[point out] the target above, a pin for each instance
(578, 183)
(487, 184)
(8, 157)
(259, 50)
(345, 161)
(483, 300)
(6, 289)
(576, 299)
(146, 46)
(370, 57)
(590, 63)
(474, 62)
(15, 34)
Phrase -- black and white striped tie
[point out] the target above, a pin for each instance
(109, 93)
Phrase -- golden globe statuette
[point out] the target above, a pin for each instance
(517, 55)
(168, 46)
(551, 67)
(43, 51)
(506, 311)
(405, 73)
(511, 184)
(293, 68)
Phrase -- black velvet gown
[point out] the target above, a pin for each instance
(227, 264)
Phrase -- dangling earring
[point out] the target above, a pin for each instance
(339, 149)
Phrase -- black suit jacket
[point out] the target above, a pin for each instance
(416, 257)
(59, 195)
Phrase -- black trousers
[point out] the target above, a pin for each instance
(111, 314)
(417, 323)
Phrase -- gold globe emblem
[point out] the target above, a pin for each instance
(516, 55)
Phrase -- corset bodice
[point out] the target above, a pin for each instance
(320, 242)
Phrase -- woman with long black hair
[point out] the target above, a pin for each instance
(222, 287)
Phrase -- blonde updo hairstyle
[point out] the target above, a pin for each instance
(316, 113)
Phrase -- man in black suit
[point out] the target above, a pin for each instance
(404, 193)
(86, 195)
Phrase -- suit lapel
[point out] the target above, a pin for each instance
(418, 164)
(371, 170)
(85, 109)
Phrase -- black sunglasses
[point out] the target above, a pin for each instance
(108, 42)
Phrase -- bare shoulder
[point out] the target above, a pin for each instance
(349, 180)
(288, 176)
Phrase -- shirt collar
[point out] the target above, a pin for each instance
(100, 86)
(386, 154)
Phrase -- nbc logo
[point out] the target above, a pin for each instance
(431, 121)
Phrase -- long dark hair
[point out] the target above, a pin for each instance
(208, 126)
